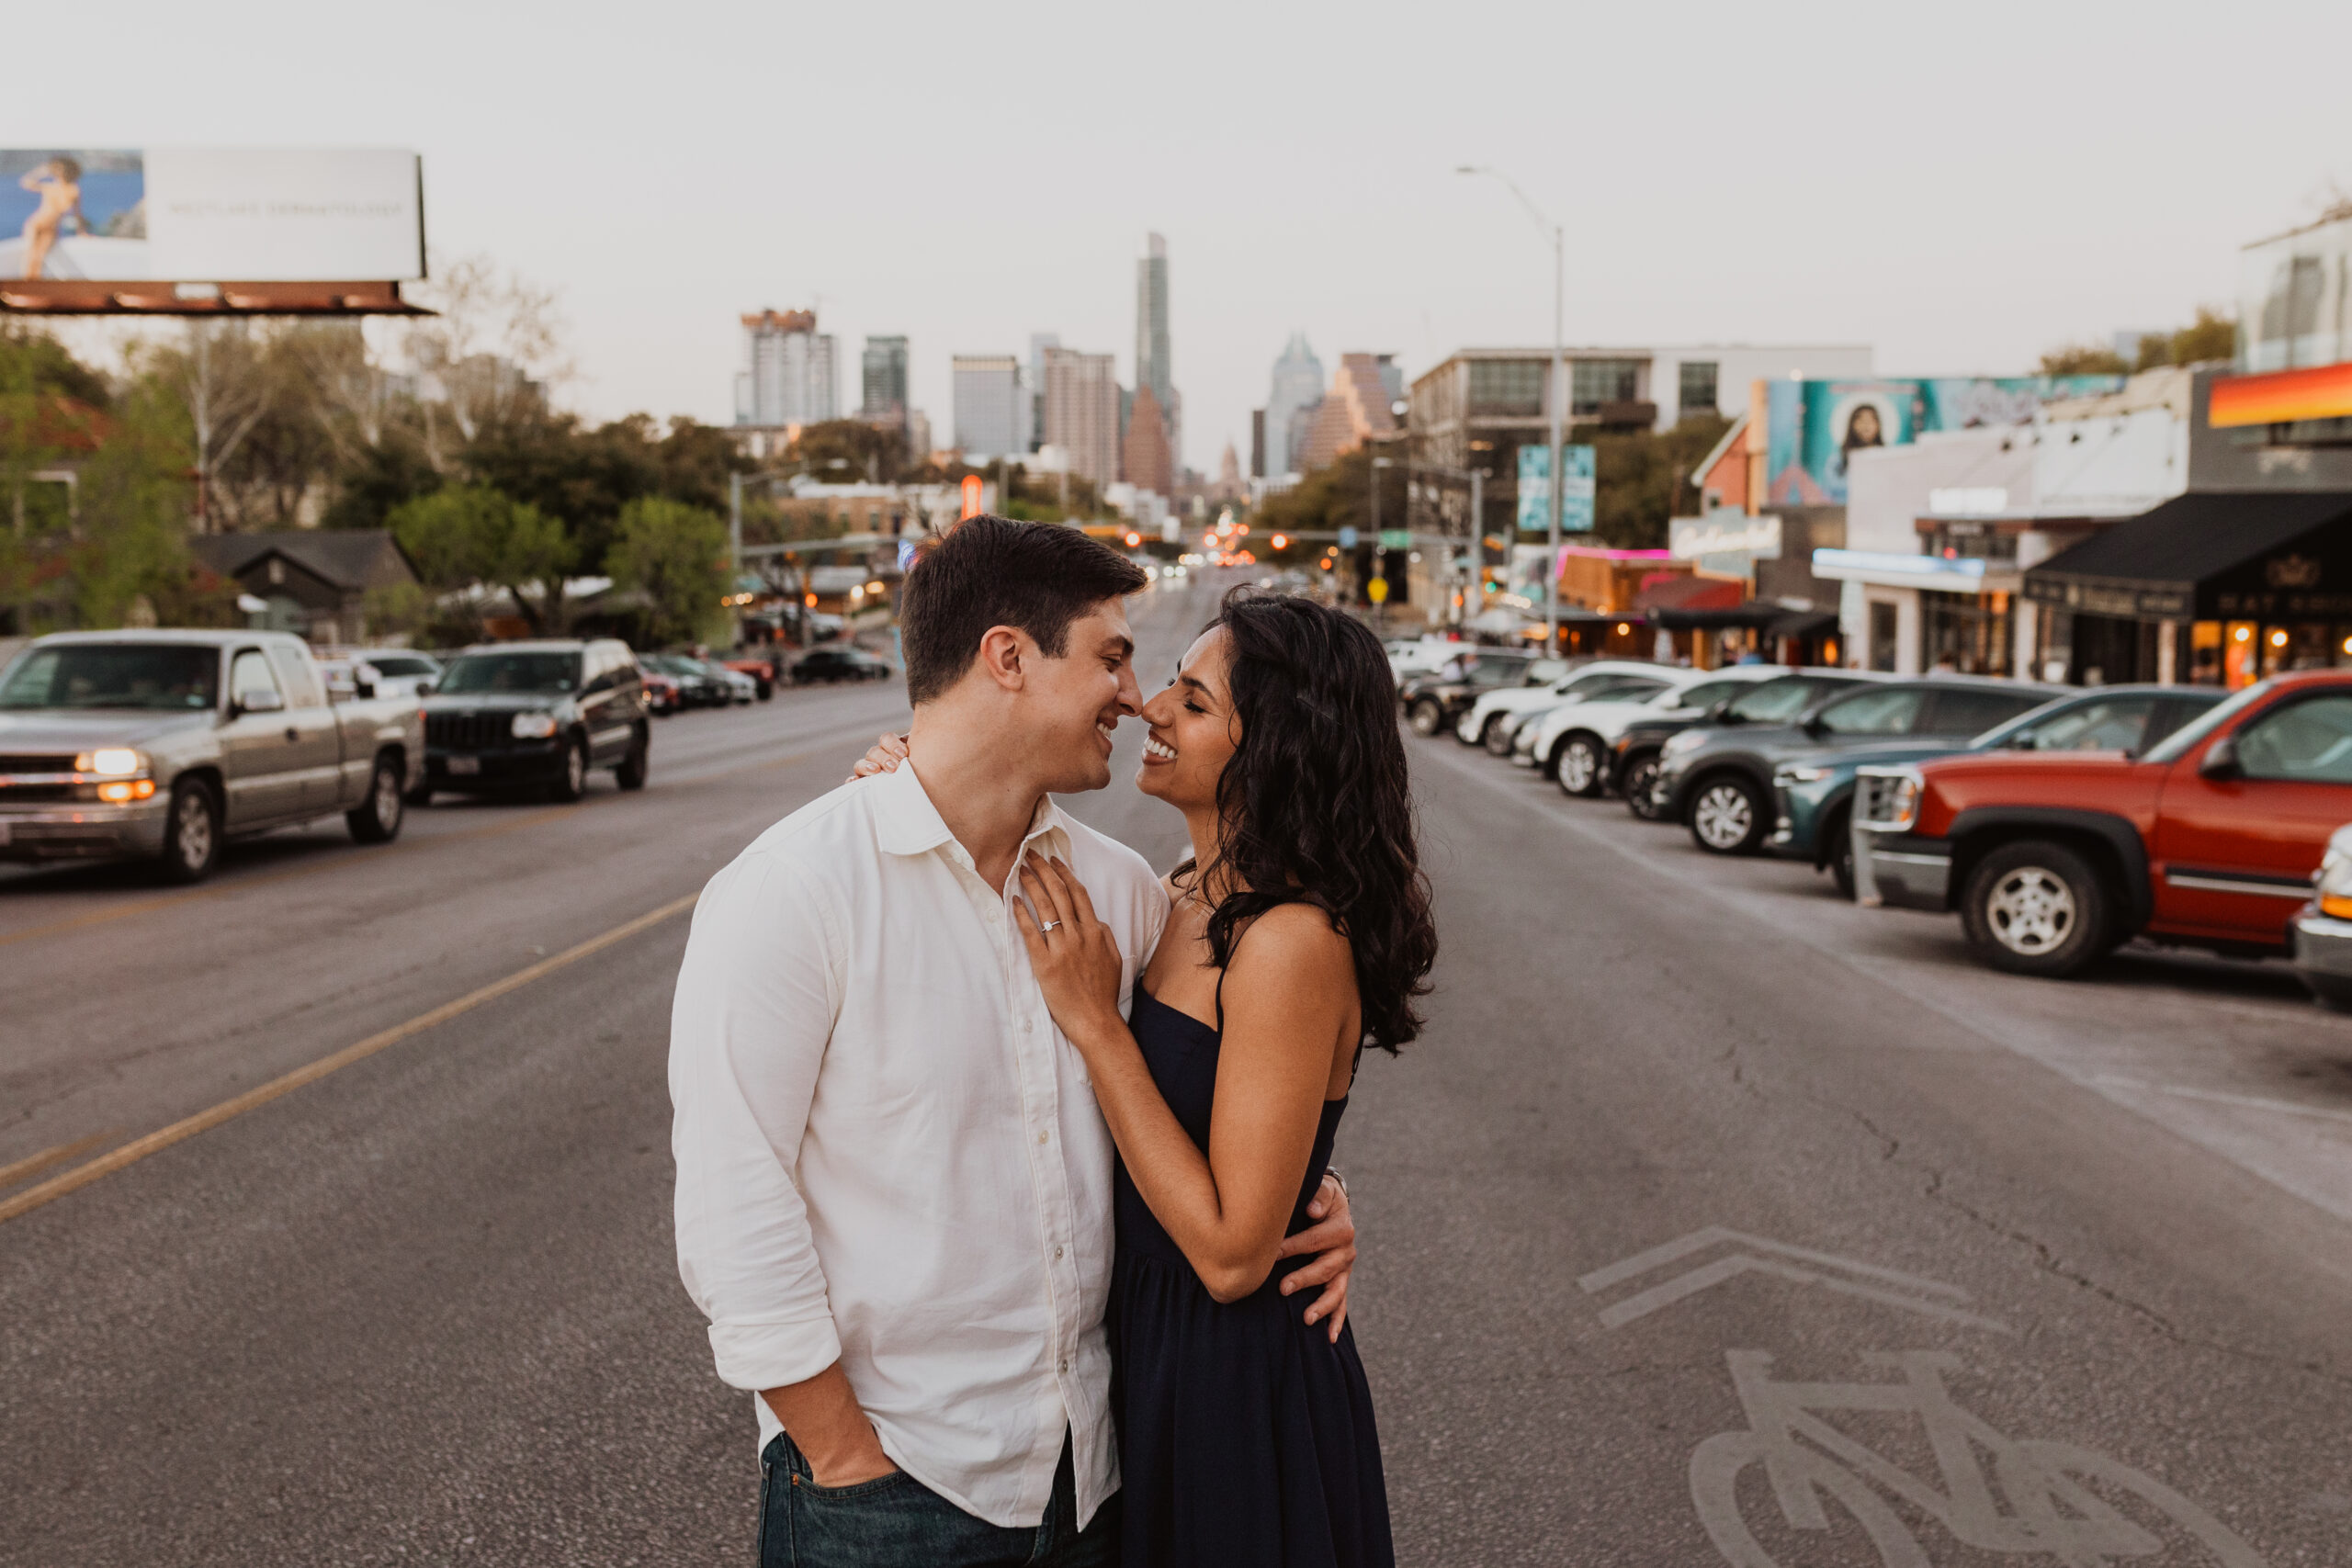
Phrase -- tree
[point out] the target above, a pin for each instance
(490, 350)
(868, 452)
(675, 556)
(2085, 359)
(472, 535)
(2210, 336)
(224, 379)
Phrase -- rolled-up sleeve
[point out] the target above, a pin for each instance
(757, 996)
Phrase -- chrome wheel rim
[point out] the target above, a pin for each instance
(1722, 817)
(575, 769)
(195, 830)
(1425, 718)
(1576, 768)
(387, 796)
(2030, 911)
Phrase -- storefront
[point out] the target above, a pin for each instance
(2213, 588)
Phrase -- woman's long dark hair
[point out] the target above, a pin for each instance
(1316, 804)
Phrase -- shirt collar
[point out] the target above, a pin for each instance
(907, 823)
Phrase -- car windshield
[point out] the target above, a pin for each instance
(402, 664)
(543, 673)
(152, 676)
(1771, 702)
(2182, 740)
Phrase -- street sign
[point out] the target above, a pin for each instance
(1535, 490)
(1347, 539)
(1396, 538)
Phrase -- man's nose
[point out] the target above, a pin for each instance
(1130, 694)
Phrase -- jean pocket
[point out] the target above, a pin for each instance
(862, 1489)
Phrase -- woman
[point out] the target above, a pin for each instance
(1299, 931)
(58, 183)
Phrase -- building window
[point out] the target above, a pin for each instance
(1506, 388)
(1697, 394)
(1597, 381)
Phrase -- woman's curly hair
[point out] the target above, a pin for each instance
(1316, 804)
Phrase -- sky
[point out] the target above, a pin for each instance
(1960, 187)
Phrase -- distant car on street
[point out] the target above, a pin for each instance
(663, 697)
(536, 716)
(1634, 763)
(1501, 710)
(845, 663)
(1815, 794)
(766, 673)
(699, 686)
(163, 745)
(740, 688)
(1437, 700)
(2211, 839)
(379, 671)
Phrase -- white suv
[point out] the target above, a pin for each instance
(1510, 704)
(1574, 745)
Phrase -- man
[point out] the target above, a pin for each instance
(894, 1186)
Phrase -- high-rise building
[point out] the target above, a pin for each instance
(1356, 409)
(1297, 388)
(1145, 460)
(885, 369)
(1081, 411)
(788, 375)
(1154, 366)
(989, 419)
(1034, 380)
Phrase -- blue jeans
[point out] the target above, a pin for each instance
(898, 1522)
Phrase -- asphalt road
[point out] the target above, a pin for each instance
(424, 1310)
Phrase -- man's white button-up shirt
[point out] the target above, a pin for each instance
(888, 1155)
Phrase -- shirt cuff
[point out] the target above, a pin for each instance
(758, 1356)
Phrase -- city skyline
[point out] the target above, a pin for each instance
(1951, 254)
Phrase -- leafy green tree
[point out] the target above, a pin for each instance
(868, 452)
(2210, 336)
(675, 556)
(2085, 359)
(471, 534)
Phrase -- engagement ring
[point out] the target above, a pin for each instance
(1049, 925)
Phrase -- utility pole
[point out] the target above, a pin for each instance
(1558, 398)
(735, 549)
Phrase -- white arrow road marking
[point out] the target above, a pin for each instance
(1915, 1294)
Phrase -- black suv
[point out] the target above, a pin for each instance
(535, 715)
(830, 664)
(1720, 781)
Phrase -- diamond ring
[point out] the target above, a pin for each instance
(1049, 925)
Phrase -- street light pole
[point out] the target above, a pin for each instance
(1557, 399)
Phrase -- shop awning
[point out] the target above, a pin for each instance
(2224, 554)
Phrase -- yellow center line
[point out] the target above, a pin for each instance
(81, 1176)
(33, 1165)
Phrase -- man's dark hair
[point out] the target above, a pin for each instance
(991, 571)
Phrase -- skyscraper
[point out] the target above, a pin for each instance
(788, 375)
(1154, 366)
(989, 420)
(885, 378)
(1034, 383)
(1081, 413)
(1297, 386)
(1145, 459)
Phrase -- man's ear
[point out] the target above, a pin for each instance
(1004, 655)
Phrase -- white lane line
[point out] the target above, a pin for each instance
(2218, 1097)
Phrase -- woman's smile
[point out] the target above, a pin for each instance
(1157, 753)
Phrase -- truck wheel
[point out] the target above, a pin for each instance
(2037, 908)
(377, 820)
(573, 783)
(631, 774)
(1426, 716)
(1578, 765)
(191, 833)
(1729, 814)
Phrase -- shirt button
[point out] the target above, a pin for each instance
(1057, 1253)
(1065, 1363)
(1041, 1137)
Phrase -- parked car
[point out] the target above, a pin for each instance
(2211, 839)
(1576, 743)
(1492, 719)
(1719, 782)
(517, 716)
(377, 672)
(2323, 930)
(767, 674)
(1418, 656)
(1654, 681)
(1635, 762)
(741, 689)
(699, 686)
(1436, 701)
(663, 697)
(1815, 794)
(843, 663)
(164, 745)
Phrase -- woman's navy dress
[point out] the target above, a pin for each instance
(1246, 1437)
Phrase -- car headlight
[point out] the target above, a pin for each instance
(1797, 774)
(1689, 740)
(1889, 803)
(110, 761)
(533, 725)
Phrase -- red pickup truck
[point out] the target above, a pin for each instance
(2052, 858)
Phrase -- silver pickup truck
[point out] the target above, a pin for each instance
(166, 744)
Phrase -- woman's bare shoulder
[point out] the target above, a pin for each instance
(1295, 937)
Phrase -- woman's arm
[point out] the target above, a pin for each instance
(1287, 995)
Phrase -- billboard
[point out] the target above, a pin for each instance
(1535, 490)
(198, 214)
(1814, 428)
